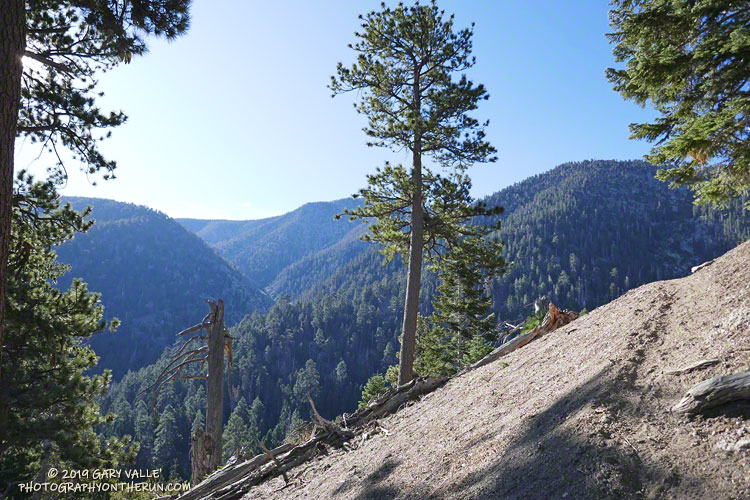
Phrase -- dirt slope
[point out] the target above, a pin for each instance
(580, 413)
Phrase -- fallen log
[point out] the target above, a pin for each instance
(227, 475)
(234, 480)
(701, 266)
(392, 400)
(714, 392)
(554, 319)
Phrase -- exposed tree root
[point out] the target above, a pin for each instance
(554, 319)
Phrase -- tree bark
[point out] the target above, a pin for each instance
(215, 383)
(12, 46)
(414, 278)
(200, 449)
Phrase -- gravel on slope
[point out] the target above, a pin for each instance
(580, 413)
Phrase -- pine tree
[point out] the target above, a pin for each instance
(257, 409)
(144, 434)
(49, 406)
(462, 304)
(691, 60)
(308, 382)
(374, 388)
(405, 63)
(166, 439)
(238, 433)
(198, 423)
(341, 374)
(55, 106)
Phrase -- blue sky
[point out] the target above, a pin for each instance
(234, 119)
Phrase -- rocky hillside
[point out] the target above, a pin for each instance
(583, 412)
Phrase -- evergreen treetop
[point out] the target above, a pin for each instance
(691, 61)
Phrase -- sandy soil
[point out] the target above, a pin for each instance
(580, 413)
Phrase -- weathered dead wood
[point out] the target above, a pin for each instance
(272, 457)
(294, 458)
(235, 480)
(701, 266)
(206, 452)
(199, 450)
(554, 319)
(714, 392)
(215, 382)
(392, 400)
(192, 329)
(327, 425)
(229, 475)
(698, 365)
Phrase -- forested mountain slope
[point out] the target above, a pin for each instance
(582, 234)
(345, 323)
(153, 275)
(585, 232)
(263, 248)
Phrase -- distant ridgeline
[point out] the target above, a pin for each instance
(580, 234)
(153, 275)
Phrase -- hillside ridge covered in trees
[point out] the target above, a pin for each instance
(153, 275)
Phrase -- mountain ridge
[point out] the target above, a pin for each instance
(153, 275)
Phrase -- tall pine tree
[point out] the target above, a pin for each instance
(50, 407)
(406, 59)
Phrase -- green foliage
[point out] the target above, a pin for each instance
(406, 60)
(609, 214)
(374, 388)
(406, 57)
(341, 373)
(240, 431)
(690, 61)
(436, 350)
(475, 349)
(533, 321)
(391, 375)
(73, 41)
(166, 435)
(49, 404)
(308, 382)
(462, 328)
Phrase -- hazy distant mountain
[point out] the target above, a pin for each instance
(263, 248)
(153, 275)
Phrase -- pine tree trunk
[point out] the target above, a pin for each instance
(12, 45)
(416, 242)
(215, 384)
